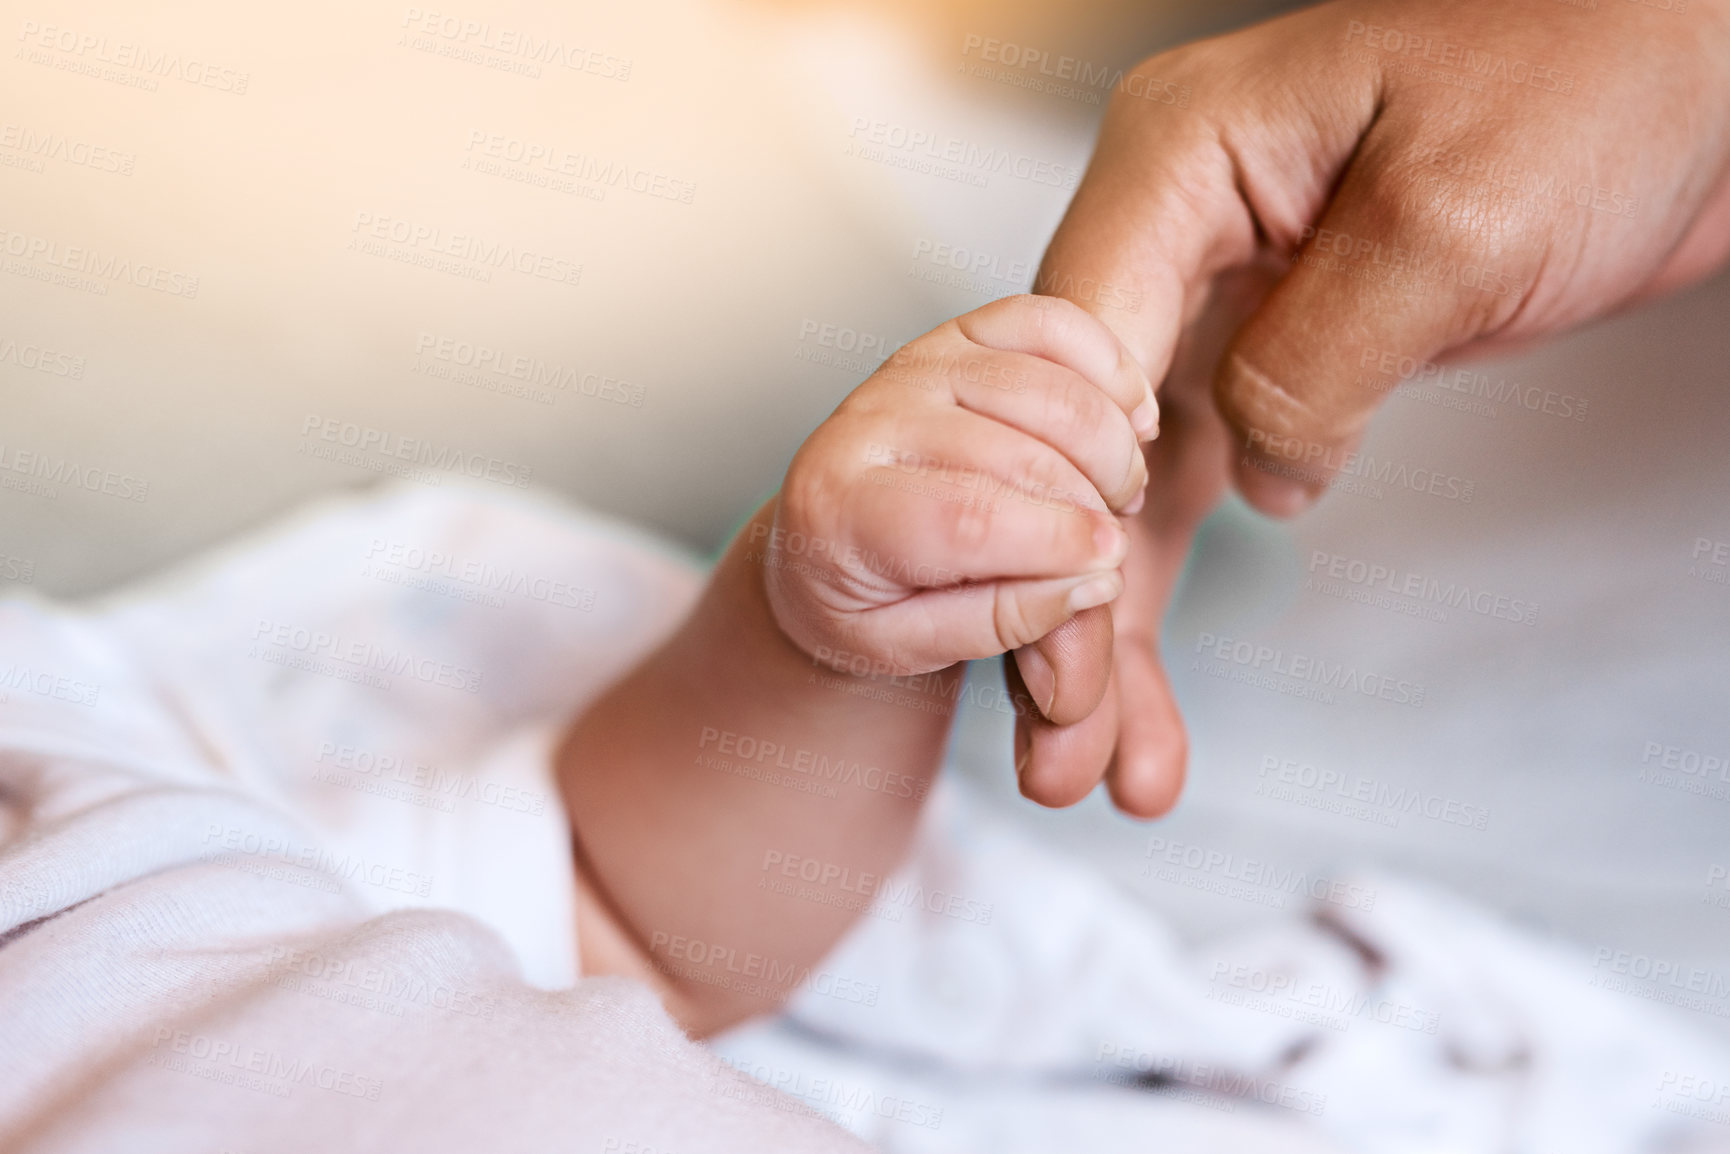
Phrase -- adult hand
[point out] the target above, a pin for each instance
(1424, 178)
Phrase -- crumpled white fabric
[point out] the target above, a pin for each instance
(1412, 1023)
(205, 944)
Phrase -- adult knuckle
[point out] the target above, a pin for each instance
(1158, 80)
(1477, 251)
(1264, 408)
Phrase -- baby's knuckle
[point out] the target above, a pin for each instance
(1072, 406)
(1010, 618)
(968, 525)
(1032, 304)
(817, 486)
(1055, 319)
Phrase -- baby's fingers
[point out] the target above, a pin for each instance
(1066, 334)
(1061, 408)
(966, 499)
(935, 628)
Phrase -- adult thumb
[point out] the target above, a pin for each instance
(1380, 287)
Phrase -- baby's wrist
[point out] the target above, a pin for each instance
(760, 563)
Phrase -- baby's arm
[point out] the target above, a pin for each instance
(957, 505)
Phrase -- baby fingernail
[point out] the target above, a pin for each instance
(1110, 544)
(1136, 502)
(1094, 592)
(1145, 419)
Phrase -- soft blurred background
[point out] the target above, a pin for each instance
(385, 207)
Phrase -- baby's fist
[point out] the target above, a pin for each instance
(961, 502)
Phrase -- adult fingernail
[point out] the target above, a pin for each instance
(1041, 681)
(1274, 495)
(1093, 592)
(1110, 543)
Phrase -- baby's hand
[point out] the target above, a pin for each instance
(960, 503)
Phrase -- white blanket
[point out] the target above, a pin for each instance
(1394, 1019)
(281, 868)
(278, 849)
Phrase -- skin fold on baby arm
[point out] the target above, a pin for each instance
(736, 799)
